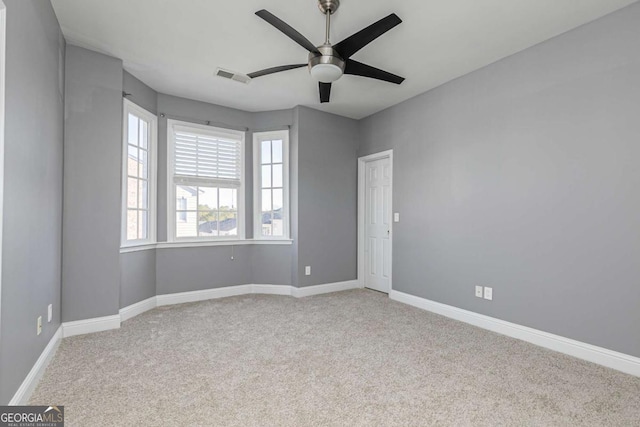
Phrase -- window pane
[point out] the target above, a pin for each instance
(266, 176)
(207, 223)
(228, 223)
(266, 200)
(132, 224)
(133, 130)
(132, 161)
(181, 203)
(228, 199)
(266, 224)
(186, 197)
(143, 224)
(208, 198)
(210, 215)
(188, 227)
(144, 133)
(132, 193)
(277, 200)
(143, 196)
(266, 152)
(277, 151)
(277, 224)
(277, 176)
(144, 162)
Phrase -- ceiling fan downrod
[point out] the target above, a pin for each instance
(328, 8)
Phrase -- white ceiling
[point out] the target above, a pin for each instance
(175, 46)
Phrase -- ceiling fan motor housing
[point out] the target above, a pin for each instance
(328, 56)
(328, 6)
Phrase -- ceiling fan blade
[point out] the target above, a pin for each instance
(325, 92)
(275, 70)
(359, 69)
(357, 41)
(287, 30)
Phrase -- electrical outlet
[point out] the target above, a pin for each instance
(396, 217)
(307, 270)
(50, 313)
(488, 293)
(479, 291)
(39, 325)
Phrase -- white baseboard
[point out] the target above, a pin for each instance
(138, 308)
(271, 289)
(324, 289)
(33, 377)
(602, 356)
(230, 291)
(87, 326)
(193, 296)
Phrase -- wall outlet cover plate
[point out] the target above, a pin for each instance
(479, 291)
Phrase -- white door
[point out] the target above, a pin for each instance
(377, 230)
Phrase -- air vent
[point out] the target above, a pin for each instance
(238, 77)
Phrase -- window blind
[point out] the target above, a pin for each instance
(202, 158)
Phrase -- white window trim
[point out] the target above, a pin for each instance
(171, 196)
(128, 107)
(258, 137)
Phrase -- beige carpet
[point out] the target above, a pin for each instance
(349, 358)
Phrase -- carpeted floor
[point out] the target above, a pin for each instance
(349, 358)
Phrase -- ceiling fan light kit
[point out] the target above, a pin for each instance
(327, 62)
(326, 66)
(326, 73)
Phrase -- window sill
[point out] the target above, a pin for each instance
(197, 244)
(137, 247)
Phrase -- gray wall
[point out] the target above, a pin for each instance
(92, 198)
(326, 196)
(32, 188)
(271, 264)
(293, 194)
(137, 276)
(199, 268)
(524, 176)
(139, 93)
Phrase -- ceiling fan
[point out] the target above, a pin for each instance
(327, 62)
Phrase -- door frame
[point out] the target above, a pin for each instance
(362, 162)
